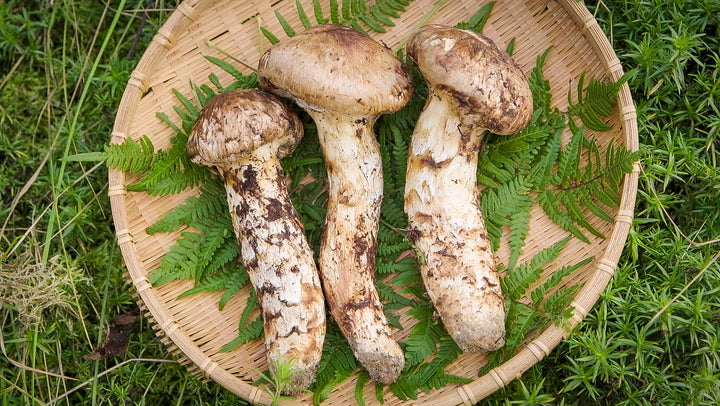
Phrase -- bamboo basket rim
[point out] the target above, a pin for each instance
(178, 29)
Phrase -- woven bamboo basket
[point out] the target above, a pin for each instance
(194, 329)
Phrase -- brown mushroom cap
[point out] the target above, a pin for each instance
(482, 81)
(333, 67)
(234, 124)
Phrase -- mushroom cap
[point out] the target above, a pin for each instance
(234, 124)
(483, 82)
(333, 67)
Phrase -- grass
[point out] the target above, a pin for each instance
(651, 339)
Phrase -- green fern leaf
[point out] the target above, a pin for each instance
(243, 80)
(477, 21)
(386, 7)
(519, 229)
(574, 210)
(380, 17)
(538, 294)
(346, 9)
(176, 264)
(519, 278)
(130, 156)
(371, 23)
(317, 9)
(420, 343)
(304, 20)
(210, 203)
(552, 207)
(269, 36)
(392, 299)
(336, 364)
(229, 281)
(362, 379)
(190, 112)
(289, 31)
(252, 331)
(334, 12)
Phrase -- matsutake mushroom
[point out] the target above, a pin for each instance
(345, 80)
(473, 87)
(243, 134)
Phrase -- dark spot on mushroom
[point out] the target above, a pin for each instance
(329, 167)
(414, 234)
(425, 217)
(269, 316)
(430, 162)
(444, 252)
(248, 183)
(346, 196)
(370, 254)
(358, 303)
(275, 210)
(360, 246)
(295, 269)
(266, 288)
(489, 283)
(251, 265)
(280, 177)
(242, 209)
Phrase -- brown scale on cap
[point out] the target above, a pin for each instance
(344, 79)
(473, 87)
(243, 134)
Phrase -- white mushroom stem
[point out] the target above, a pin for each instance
(446, 224)
(347, 254)
(279, 262)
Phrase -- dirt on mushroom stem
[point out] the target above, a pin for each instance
(280, 265)
(347, 254)
(459, 269)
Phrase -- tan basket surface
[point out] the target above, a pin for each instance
(195, 329)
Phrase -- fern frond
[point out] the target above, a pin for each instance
(518, 279)
(595, 101)
(210, 203)
(289, 31)
(352, 13)
(509, 204)
(538, 294)
(477, 21)
(176, 263)
(551, 205)
(228, 281)
(392, 299)
(336, 364)
(252, 331)
(540, 87)
(362, 379)
(302, 15)
(131, 156)
(519, 229)
(421, 341)
(319, 16)
(574, 209)
(400, 266)
(241, 80)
